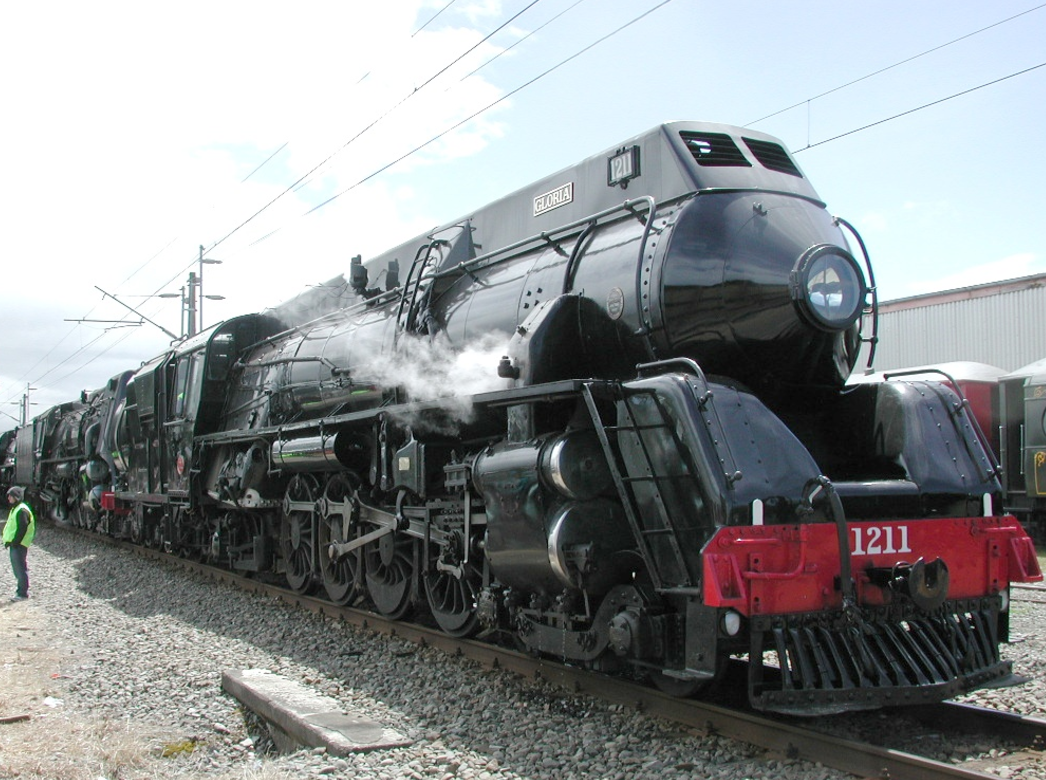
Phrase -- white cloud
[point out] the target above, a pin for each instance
(138, 123)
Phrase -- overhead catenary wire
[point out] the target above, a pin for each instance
(920, 108)
(489, 106)
(74, 329)
(301, 180)
(369, 126)
(264, 162)
(895, 65)
(545, 73)
(524, 38)
(433, 18)
(290, 188)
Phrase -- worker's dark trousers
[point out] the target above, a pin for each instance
(20, 568)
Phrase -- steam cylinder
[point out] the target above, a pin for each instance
(546, 517)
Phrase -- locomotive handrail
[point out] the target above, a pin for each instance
(545, 235)
(63, 459)
(643, 312)
(632, 514)
(405, 311)
(995, 469)
(575, 253)
(465, 267)
(730, 476)
(335, 370)
(873, 340)
(684, 361)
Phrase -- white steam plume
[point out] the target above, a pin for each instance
(437, 373)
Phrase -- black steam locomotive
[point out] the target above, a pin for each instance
(604, 417)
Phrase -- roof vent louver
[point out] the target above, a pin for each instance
(772, 156)
(714, 149)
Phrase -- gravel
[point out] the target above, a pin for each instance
(141, 646)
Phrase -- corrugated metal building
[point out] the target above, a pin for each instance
(1002, 324)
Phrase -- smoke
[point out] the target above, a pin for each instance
(437, 373)
(321, 299)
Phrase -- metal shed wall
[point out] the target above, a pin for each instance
(1005, 328)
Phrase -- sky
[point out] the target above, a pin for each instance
(286, 138)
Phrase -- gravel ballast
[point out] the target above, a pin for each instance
(131, 655)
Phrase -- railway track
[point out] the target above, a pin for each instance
(1024, 737)
(1030, 592)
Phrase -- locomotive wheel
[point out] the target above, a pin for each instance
(389, 565)
(66, 508)
(452, 598)
(340, 577)
(136, 524)
(298, 531)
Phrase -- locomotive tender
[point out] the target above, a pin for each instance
(604, 417)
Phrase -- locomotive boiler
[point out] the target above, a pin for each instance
(604, 417)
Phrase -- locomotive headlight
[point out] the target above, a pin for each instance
(1004, 595)
(828, 287)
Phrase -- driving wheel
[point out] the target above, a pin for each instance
(298, 531)
(389, 566)
(340, 575)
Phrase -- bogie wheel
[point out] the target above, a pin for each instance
(389, 566)
(298, 531)
(451, 593)
(340, 576)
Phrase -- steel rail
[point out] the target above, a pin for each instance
(972, 718)
(767, 733)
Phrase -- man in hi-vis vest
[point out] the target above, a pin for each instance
(19, 531)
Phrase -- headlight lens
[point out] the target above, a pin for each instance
(828, 287)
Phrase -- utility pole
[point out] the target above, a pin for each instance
(190, 304)
(25, 404)
(199, 284)
(180, 295)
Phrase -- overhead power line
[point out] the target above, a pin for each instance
(536, 30)
(345, 145)
(920, 108)
(249, 175)
(896, 65)
(489, 106)
(433, 18)
(299, 182)
(416, 149)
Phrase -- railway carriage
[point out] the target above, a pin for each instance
(1022, 444)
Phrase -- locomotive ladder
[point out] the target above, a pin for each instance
(645, 529)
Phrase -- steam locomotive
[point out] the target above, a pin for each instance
(606, 418)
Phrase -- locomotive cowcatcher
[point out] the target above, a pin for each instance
(604, 417)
